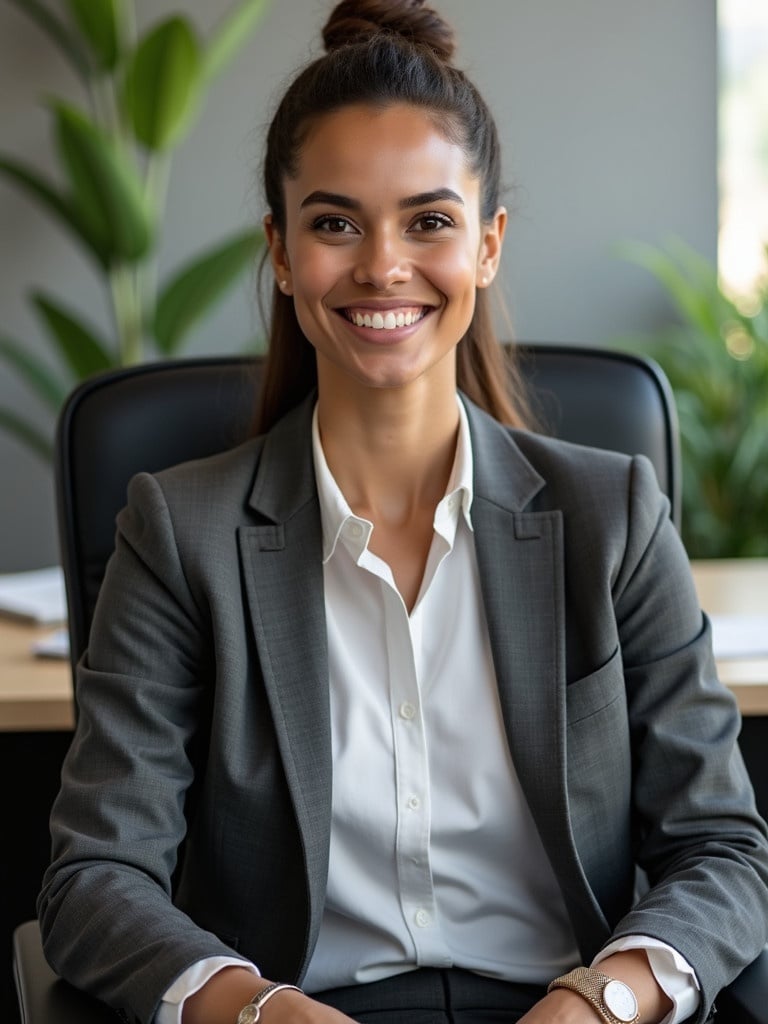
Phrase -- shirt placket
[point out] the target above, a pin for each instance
(412, 839)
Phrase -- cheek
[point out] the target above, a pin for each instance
(317, 270)
(454, 266)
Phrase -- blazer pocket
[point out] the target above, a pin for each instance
(599, 764)
(593, 693)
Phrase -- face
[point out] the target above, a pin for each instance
(384, 247)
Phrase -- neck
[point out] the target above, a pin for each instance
(390, 450)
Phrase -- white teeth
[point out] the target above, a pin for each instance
(387, 322)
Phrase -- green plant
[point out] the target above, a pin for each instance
(144, 93)
(716, 359)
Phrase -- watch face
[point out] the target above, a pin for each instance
(620, 1000)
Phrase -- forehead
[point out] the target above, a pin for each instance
(363, 148)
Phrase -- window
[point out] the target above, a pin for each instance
(743, 147)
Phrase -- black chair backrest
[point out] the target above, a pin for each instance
(154, 415)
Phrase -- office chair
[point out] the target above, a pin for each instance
(154, 415)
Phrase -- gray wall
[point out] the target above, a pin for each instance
(607, 110)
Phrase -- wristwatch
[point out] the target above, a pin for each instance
(614, 1001)
(251, 1012)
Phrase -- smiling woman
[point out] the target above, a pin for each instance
(382, 224)
(415, 690)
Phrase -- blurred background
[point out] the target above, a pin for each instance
(608, 112)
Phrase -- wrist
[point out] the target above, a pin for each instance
(613, 1001)
(251, 1012)
(222, 997)
(632, 969)
(632, 966)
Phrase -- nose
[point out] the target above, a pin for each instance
(381, 261)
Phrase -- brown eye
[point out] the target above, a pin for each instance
(431, 222)
(333, 225)
(337, 225)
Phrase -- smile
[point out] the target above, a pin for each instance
(387, 320)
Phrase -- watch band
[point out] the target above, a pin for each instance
(251, 1012)
(613, 1000)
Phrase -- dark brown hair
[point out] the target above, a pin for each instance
(383, 52)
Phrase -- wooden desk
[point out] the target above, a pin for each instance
(36, 694)
(738, 586)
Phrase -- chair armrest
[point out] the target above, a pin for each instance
(43, 997)
(745, 1001)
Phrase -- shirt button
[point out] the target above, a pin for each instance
(407, 710)
(355, 530)
(414, 803)
(423, 920)
(453, 501)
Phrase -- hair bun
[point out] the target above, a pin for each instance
(353, 21)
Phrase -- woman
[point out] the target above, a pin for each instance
(416, 690)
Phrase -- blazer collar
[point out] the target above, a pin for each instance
(285, 480)
(503, 475)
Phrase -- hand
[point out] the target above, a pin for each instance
(563, 1006)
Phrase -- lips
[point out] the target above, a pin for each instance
(385, 319)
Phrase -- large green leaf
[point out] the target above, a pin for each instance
(58, 31)
(101, 24)
(27, 433)
(79, 346)
(106, 188)
(230, 35)
(34, 372)
(162, 83)
(697, 300)
(193, 291)
(61, 206)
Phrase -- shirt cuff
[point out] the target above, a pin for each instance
(672, 972)
(191, 981)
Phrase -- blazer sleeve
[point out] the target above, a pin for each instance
(698, 836)
(107, 919)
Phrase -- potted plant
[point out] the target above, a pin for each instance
(716, 358)
(143, 92)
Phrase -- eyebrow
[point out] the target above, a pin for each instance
(346, 203)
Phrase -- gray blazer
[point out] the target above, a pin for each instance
(204, 719)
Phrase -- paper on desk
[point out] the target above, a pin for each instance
(53, 645)
(37, 596)
(740, 636)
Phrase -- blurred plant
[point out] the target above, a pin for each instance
(716, 359)
(115, 160)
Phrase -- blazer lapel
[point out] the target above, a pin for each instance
(519, 552)
(520, 558)
(282, 565)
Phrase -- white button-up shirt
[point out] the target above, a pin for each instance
(434, 858)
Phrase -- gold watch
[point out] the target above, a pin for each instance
(613, 1000)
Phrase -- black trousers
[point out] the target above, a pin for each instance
(433, 996)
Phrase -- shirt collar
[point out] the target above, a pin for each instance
(338, 520)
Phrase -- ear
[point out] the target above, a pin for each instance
(491, 242)
(278, 256)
